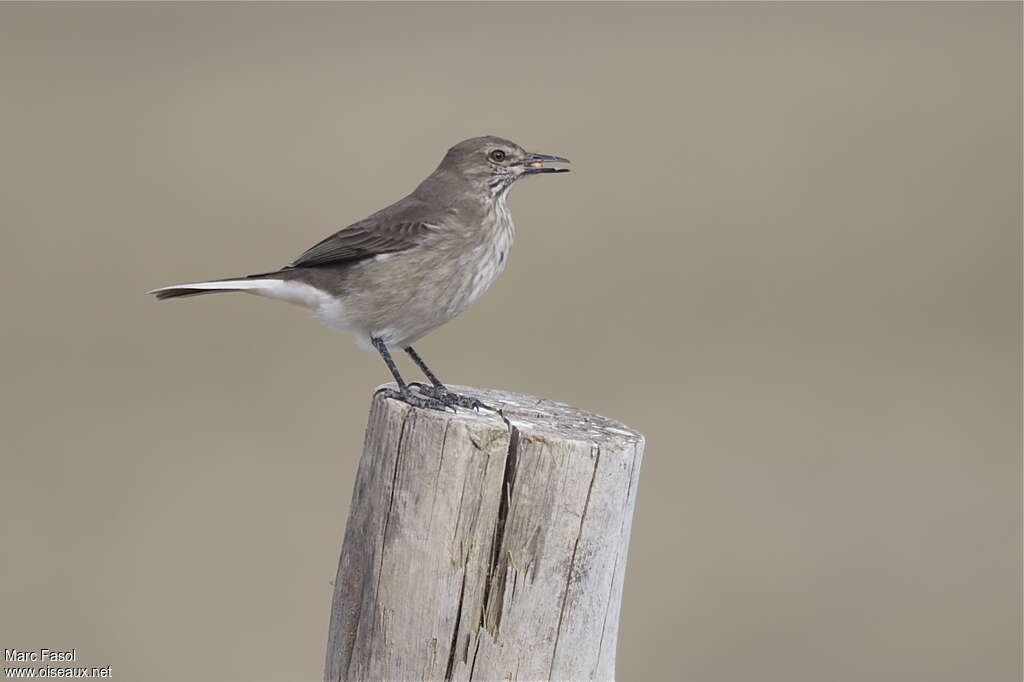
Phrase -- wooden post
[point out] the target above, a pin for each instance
(485, 546)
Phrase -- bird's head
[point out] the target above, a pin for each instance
(493, 163)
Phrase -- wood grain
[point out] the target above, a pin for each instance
(485, 546)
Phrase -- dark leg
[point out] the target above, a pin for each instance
(403, 393)
(423, 366)
(440, 391)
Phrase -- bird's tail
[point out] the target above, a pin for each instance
(256, 284)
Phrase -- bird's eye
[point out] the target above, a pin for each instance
(497, 155)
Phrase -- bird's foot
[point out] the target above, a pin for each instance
(410, 398)
(449, 398)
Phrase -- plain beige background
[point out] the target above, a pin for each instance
(789, 252)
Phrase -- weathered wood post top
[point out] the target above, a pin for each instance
(485, 545)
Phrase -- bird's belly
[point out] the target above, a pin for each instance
(446, 294)
(432, 289)
(469, 283)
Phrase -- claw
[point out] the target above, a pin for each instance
(449, 398)
(410, 398)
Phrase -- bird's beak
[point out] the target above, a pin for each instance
(534, 163)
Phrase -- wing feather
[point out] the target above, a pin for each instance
(365, 239)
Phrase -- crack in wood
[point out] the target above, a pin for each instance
(387, 517)
(472, 665)
(607, 612)
(572, 560)
(494, 587)
(455, 630)
(437, 477)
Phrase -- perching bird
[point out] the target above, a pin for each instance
(407, 269)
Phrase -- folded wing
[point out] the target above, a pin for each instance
(365, 239)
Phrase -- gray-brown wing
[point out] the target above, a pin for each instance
(364, 240)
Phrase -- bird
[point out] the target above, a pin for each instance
(395, 276)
